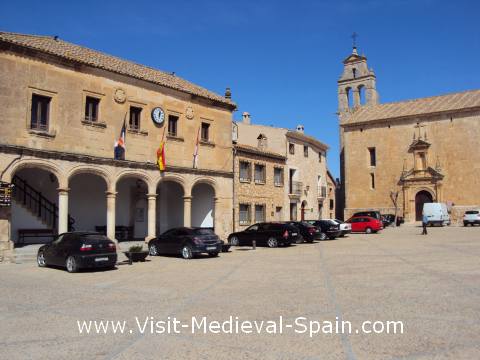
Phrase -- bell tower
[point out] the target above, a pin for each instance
(357, 84)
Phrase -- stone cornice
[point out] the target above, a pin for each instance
(89, 159)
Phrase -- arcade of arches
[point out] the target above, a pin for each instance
(125, 204)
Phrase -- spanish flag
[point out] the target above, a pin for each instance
(161, 156)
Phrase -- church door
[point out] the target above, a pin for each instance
(421, 198)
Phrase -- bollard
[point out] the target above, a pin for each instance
(254, 244)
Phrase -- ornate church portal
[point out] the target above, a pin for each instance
(422, 183)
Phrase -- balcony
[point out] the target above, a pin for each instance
(296, 188)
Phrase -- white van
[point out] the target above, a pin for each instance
(437, 214)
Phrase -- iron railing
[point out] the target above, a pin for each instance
(37, 204)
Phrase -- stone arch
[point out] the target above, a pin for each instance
(362, 94)
(37, 163)
(349, 97)
(422, 196)
(303, 209)
(134, 174)
(206, 180)
(173, 178)
(204, 195)
(172, 191)
(79, 169)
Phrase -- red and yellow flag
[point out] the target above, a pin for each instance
(161, 156)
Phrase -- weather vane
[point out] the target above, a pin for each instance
(354, 38)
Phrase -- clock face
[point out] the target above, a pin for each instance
(158, 116)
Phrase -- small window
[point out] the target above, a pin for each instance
(172, 125)
(305, 150)
(135, 114)
(373, 156)
(320, 157)
(205, 133)
(259, 213)
(278, 176)
(291, 148)
(244, 173)
(40, 112)
(91, 109)
(372, 180)
(354, 71)
(331, 204)
(244, 214)
(259, 176)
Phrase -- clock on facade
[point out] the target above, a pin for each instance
(158, 115)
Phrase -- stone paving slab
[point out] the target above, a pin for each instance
(431, 283)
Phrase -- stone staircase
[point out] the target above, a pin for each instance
(26, 254)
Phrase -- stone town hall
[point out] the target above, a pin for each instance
(423, 149)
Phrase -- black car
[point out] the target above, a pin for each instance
(307, 232)
(265, 234)
(187, 242)
(77, 250)
(389, 219)
(327, 228)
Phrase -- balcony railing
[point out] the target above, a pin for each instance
(296, 188)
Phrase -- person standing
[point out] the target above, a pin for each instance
(424, 224)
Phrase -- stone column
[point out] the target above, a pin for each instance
(356, 97)
(62, 210)
(111, 214)
(152, 215)
(187, 211)
(216, 215)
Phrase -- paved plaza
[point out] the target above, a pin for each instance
(430, 283)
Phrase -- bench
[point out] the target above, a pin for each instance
(24, 234)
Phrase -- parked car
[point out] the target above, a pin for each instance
(471, 217)
(371, 213)
(265, 234)
(327, 228)
(187, 242)
(77, 250)
(436, 213)
(345, 228)
(388, 219)
(365, 224)
(307, 232)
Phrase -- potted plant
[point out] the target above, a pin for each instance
(136, 253)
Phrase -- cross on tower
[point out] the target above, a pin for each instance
(354, 38)
(419, 127)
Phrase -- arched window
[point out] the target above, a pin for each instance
(361, 93)
(349, 94)
(354, 73)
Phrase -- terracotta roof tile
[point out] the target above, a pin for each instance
(418, 107)
(306, 138)
(83, 55)
(256, 150)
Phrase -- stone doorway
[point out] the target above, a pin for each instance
(421, 198)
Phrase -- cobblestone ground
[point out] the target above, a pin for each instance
(431, 283)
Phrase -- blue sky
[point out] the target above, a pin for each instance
(281, 58)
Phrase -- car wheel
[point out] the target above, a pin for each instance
(323, 236)
(41, 259)
(234, 241)
(187, 252)
(331, 237)
(272, 242)
(153, 250)
(71, 264)
(213, 254)
(300, 239)
(368, 230)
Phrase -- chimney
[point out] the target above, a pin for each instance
(300, 128)
(228, 93)
(246, 118)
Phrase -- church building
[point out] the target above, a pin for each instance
(414, 151)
